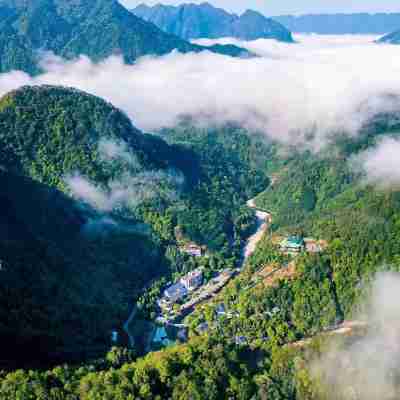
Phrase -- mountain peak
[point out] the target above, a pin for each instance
(252, 13)
(206, 21)
(70, 28)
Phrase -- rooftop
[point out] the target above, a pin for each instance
(293, 241)
(177, 290)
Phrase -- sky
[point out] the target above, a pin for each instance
(279, 7)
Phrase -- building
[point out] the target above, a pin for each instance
(161, 337)
(293, 245)
(241, 340)
(192, 249)
(182, 335)
(315, 246)
(220, 310)
(193, 280)
(175, 292)
(202, 328)
(114, 336)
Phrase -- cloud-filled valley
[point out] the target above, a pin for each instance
(314, 88)
(318, 84)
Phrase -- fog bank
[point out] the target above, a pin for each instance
(368, 368)
(381, 164)
(309, 89)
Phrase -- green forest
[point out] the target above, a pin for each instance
(70, 30)
(103, 257)
(263, 344)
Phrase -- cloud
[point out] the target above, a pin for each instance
(381, 163)
(128, 190)
(83, 189)
(111, 150)
(315, 87)
(368, 368)
(131, 188)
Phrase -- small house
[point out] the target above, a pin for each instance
(161, 337)
(220, 310)
(175, 292)
(192, 249)
(193, 279)
(241, 340)
(293, 245)
(114, 336)
(202, 328)
(182, 335)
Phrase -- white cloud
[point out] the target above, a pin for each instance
(381, 163)
(111, 150)
(368, 368)
(319, 85)
(129, 189)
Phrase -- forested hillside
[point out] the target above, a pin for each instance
(253, 349)
(69, 268)
(230, 171)
(96, 203)
(95, 28)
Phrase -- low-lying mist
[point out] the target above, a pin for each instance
(319, 85)
(368, 369)
(299, 93)
(131, 188)
(381, 164)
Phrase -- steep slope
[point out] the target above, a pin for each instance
(69, 270)
(98, 29)
(62, 291)
(326, 197)
(391, 38)
(339, 24)
(93, 182)
(191, 21)
(265, 341)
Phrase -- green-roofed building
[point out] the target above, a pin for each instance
(161, 337)
(293, 245)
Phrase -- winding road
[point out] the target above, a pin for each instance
(264, 220)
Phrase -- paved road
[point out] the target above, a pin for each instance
(264, 220)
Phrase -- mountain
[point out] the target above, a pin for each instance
(69, 269)
(335, 24)
(270, 332)
(391, 38)
(89, 211)
(192, 21)
(96, 28)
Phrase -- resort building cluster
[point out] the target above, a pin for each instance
(179, 290)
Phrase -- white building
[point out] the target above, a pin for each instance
(193, 280)
(192, 249)
(175, 292)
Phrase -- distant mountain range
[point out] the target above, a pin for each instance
(391, 38)
(96, 28)
(342, 23)
(193, 21)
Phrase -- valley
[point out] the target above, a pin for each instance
(167, 315)
(191, 210)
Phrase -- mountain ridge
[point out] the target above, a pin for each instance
(192, 21)
(341, 23)
(391, 38)
(98, 29)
